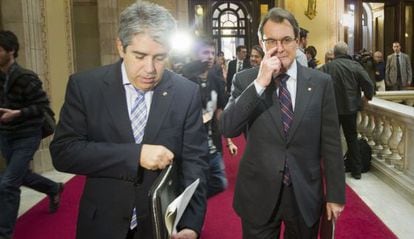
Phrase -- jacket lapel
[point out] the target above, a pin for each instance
(161, 100)
(304, 92)
(115, 98)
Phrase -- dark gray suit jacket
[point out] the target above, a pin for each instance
(313, 141)
(94, 138)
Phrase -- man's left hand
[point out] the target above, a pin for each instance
(334, 210)
(185, 234)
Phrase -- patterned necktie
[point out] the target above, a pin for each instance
(139, 116)
(285, 103)
(287, 116)
(240, 66)
(138, 122)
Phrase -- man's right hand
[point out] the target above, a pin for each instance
(154, 157)
(270, 66)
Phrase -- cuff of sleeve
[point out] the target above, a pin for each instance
(259, 89)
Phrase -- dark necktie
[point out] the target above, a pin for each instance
(240, 66)
(286, 108)
(398, 69)
(285, 103)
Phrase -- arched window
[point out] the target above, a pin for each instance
(230, 26)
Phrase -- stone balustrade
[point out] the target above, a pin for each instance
(389, 128)
(403, 96)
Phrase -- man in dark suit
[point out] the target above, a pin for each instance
(236, 65)
(292, 132)
(101, 133)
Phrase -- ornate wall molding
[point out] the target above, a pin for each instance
(69, 35)
(35, 39)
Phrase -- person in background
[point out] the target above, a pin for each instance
(213, 98)
(121, 124)
(22, 101)
(379, 71)
(237, 65)
(329, 56)
(311, 52)
(349, 78)
(366, 59)
(221, 66)
(256, 56)
(302, 43)
(289, 114)
(398, 72)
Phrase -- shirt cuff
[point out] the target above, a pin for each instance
(259, 89)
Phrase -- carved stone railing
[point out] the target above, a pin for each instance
(403, 96)
(389, 129)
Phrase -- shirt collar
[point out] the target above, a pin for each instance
(293, 70)
(125, 80)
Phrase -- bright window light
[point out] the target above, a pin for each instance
(181, 42)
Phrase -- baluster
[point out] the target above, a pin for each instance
(394, 141)
(385, 136)
(359, 124)
(377, 136)
(370, 129)
(401, 164)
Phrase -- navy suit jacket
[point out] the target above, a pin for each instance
(313, 141)
(94, 138)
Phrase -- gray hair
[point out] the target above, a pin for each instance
(279, 15)
(340, 48)
(146, 18)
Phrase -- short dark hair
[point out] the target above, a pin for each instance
(258, 49)
(239, 48)
(279, 15)
(9, 42)
(303, 33)
(311, 50)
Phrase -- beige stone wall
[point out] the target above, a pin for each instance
(324, 29)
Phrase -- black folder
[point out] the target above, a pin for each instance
(326, 227)
(162, 193)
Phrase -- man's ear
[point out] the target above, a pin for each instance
(120, 48)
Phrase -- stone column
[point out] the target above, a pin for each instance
(108, 20)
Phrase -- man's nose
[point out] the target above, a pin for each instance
(149, 65)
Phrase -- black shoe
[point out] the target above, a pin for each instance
(356, 175)
(54, 199)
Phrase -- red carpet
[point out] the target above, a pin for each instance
(356, 222)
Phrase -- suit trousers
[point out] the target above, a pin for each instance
(286, 211)
(349, 127)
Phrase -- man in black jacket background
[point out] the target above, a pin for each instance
(22, 101)
(349, 79)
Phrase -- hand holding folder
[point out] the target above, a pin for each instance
(326, 227)
(167, 205)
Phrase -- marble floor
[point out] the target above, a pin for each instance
(396, 212)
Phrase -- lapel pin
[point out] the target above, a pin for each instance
(309, 89)
(164, 93)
